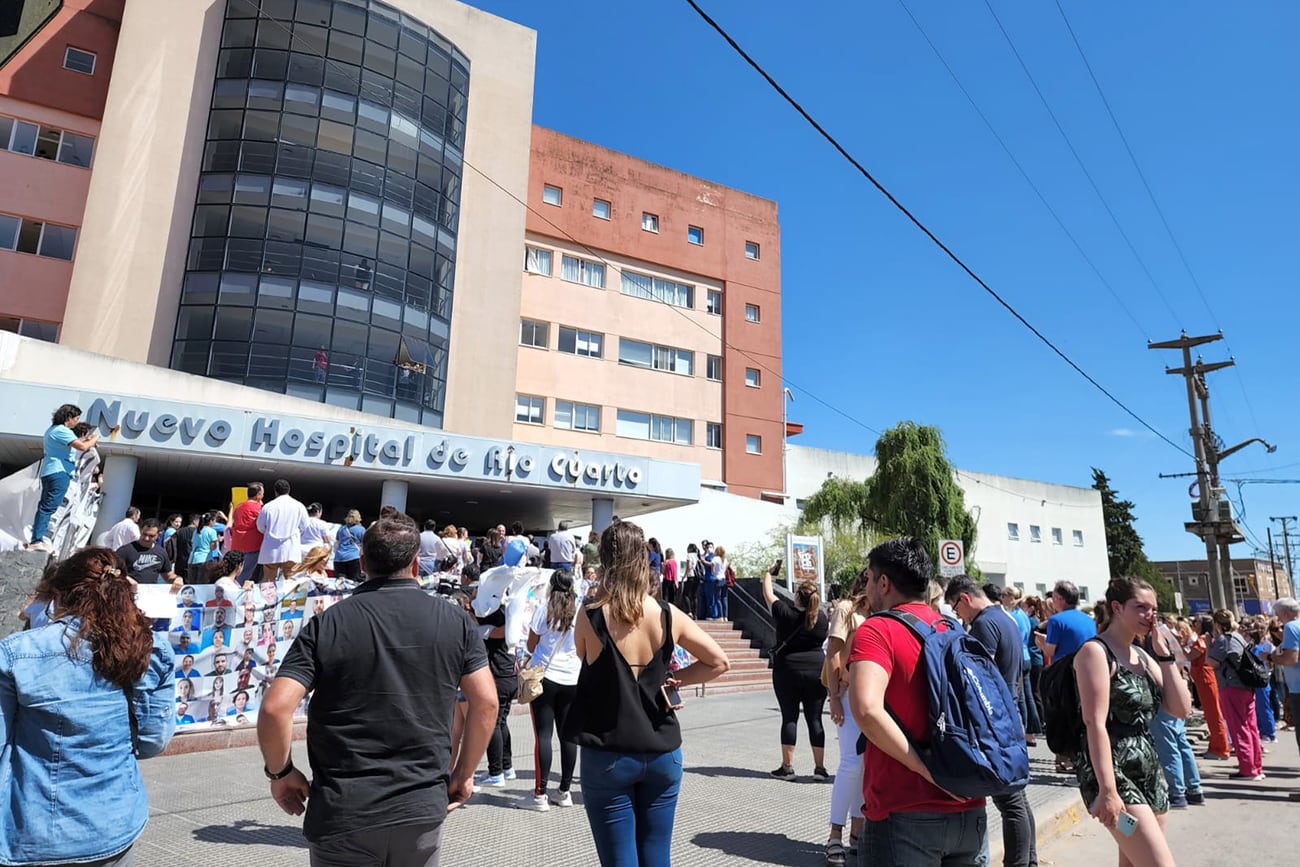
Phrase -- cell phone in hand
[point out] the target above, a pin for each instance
(776, 568)
(672, 698)
(1126, 824)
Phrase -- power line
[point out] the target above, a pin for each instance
(1023, 173)
(1164, 221)
(261, 14)
(1078, 159)
(924, 229)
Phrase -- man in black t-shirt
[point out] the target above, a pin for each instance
(144, 560)
(994, 628)
(384, 665)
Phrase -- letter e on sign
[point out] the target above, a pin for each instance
(952, 557)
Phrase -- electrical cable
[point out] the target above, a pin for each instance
(924, 229)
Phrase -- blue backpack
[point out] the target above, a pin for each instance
(977, 743)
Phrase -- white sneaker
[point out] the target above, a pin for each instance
(562, 799)
(539, 803)
(510, 773)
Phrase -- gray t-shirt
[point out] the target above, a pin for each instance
(563, 547)
(1224, 646)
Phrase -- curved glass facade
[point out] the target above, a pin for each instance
(324, 237)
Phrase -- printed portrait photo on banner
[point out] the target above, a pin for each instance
(184, 690)
(267, 634)
(218, 599)
(287, 630)
(183, 716)
(185, 667)
(217, 638)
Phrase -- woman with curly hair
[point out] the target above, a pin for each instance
(81, 699)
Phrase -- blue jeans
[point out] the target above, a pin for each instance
(927, 840)
(1176, 757)
(53, 487)
(724, 593)
(708, 607)
(248, 572)
(1264, 712)
(631, 799)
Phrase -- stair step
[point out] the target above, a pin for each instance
(721, 687)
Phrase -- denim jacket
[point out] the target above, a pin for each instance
(70, 788)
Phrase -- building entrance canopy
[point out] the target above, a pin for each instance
(499, 479)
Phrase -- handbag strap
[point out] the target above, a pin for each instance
(135, 724)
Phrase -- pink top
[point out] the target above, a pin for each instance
(670, 571)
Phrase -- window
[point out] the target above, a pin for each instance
(695, 235)
(1013, 532)
(532, 333)
(751, 312)
(577, 270)
(47, 331)
(713, 368)
(1083, 594)
(552, 195)
(1078, 538)
(1042, 589)
(639, 354)
(585, 343)
(577, 416)
(537, 261)
(79, 61)
(32, 236)
(656, 289)
(600, 209)
(713, 434)
(530, 409)
(753, 444)
(751, 250)
(713, 302)
(1241, 587)
(752, 377)
(662, 428)
(650, 223)
(1035, 533)
(45, 142)
(1056, 535)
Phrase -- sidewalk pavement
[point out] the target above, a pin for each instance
(210, 808)
(1242, 822)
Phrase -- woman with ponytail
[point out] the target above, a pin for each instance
(550, 640)
(797, 660)
(81, 699)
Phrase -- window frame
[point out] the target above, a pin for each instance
(547, 190)
(529, 249)
(595, 209)
(67, 53)
(757, 248)
(710, 363)
(710, 428)
(655, 422)
(710, 296)
(1077, 537)
(753, 444)
(585, 266)
(1035, 533)
(757, 377)
(756, 310)
(659, 352)
(540, 406)
(578, 334)
(695, 235)
(574, 407)
(1013, 531)
(536, 325)
(649, 222)
(1058, 538)
(661, 290)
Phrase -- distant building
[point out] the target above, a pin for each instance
(1257, 584)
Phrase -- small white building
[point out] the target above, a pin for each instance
(1031, 534)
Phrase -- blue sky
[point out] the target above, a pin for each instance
(879, 323)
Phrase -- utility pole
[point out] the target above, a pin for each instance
(1212, 519)
(1286, 547)
(1272, 560)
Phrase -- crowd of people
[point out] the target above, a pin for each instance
(406, 667)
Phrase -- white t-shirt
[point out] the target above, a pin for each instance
(558, 647)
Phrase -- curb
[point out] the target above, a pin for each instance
(1049, 828)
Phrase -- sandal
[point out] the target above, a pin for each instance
(835, 853)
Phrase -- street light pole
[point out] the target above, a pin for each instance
(787, 398)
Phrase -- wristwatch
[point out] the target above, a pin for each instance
(1169, 658)
(288, 769)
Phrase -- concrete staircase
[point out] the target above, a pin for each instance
(749, 671)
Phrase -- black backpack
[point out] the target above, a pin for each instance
(1251, 671)
(1062, 711)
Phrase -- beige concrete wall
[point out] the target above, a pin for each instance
(131, 253)
(603, 381)
(481, 361)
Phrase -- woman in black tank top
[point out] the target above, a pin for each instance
(621, 720)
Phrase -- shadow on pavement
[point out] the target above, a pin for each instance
(743, 773)
(761, 848)
(247, 832)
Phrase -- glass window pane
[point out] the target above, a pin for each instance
(215, 189)
(268, 63)
(275, 293)
(229, 360)
(247, 222)
(298, 130)
(325, 232)
(265, 94)
(338, 106)
(200, 289)
(75, 150)
(272, 327)
(233, 323)
(334, 137)
(285, 225)
(9, 231)
(211, 220)
(312, 331)
(301, 99)
(315, 298)
(252, 190)
(24, 138)
(327, 199)
(57, 241)
(633, 424)
(29, 236)
(354, 304)
(288, 193)
(47, 143)
(194, 323)
(237, 289)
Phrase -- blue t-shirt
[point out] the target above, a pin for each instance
(1291, 641)
(203, 540)
(1026, 631)
(1068, 630)
(349, 543)
(58, 451)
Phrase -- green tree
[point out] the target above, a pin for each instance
(1124, 549)
(914, 491)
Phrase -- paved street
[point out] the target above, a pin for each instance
(1241, 823)
(211, 807)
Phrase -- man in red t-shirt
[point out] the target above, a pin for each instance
(911, 822)
(244, 535)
